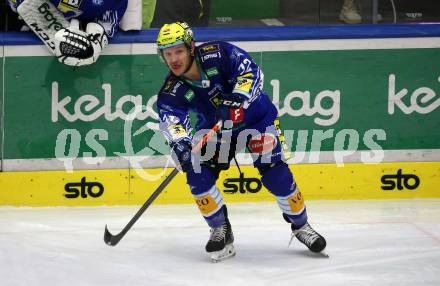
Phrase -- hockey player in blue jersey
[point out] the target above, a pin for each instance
(75, 31)
(219, 81)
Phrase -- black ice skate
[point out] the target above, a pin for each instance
(310, 238)
(220, 241)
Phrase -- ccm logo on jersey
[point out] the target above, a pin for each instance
(262, 143)
(231, 103)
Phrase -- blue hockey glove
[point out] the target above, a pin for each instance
(230, 108)
(182, 154)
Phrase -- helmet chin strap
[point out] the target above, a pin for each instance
(190, 63)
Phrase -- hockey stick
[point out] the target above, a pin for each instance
(44, 19)
(111, 239)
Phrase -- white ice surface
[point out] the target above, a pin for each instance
(369, 243)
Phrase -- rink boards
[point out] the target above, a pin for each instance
(339, 98)
(128, 186)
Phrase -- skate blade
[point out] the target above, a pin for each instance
(227, 252)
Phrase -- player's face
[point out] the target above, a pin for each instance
(177, 59)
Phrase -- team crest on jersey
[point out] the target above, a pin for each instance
(209, 49)
(69, 6)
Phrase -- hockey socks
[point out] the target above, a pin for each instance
(210, 204)
(279, 181)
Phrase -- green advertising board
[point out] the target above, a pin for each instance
(40, 105)
(368, 98)
(397, 91)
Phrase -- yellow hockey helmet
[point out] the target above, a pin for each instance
(174, 34)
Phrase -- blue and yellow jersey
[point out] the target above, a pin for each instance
(224, 69)
(108, 13)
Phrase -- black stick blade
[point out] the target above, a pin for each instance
(109, 238)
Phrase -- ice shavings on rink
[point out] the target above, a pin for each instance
(369, 242)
